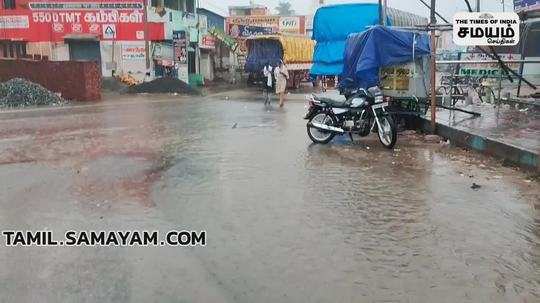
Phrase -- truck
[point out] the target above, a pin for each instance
(332, 25)
(295, 51)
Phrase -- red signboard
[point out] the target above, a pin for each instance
(208, 42)
(57, 20)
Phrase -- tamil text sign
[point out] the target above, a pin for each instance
(133, 52)
(482, 29)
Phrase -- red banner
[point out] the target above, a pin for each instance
(58, 20)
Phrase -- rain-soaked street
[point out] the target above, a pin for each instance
(286, 220)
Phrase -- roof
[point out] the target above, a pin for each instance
(247, 6)
(210, 11)
(296, 48)
(380, 46)
(213, 8)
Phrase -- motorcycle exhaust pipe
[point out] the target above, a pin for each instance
(327, 127)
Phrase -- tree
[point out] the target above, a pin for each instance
(284, 8)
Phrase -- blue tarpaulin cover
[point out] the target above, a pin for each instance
(366, 52)
(331, 26)
(262, 52)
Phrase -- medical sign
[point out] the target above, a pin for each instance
(483, 29)
(526, 5)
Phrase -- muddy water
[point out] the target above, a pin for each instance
(287, 221)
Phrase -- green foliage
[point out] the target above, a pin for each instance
(284, 8)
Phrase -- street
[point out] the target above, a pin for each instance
(286, 220)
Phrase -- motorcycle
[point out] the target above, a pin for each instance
(362, 112)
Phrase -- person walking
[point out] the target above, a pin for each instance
(282, 74)
(268, 71)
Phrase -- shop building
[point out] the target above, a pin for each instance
(121, 35)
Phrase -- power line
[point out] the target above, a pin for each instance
(436, 13)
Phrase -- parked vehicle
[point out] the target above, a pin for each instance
(295, 51)
(360, 112)
(333, 23)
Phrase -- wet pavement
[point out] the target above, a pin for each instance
(516, 126)
(287, 221)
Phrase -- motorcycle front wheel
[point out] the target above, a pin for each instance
(318, 135)
(387, 131)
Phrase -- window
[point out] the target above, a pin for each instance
(9, 4)
(531, 45)
(4, 49)
(190, 6)
(156, 3)
(10, 49)
(172, 4)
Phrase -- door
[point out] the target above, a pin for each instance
(84, 50)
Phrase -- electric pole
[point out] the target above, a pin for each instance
(146, 43)
(380, 13)
(433, 66)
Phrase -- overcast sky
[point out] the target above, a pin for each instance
(447, 8)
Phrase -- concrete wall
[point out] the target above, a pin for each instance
(175, 21)
(214, 20)
(207, 65)
(80, 81)
(122, 61)
(55, 51)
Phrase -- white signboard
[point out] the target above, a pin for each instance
(183, 73)
(133, 52)
(482, 29)
(484, 69)
(109, 31)
(13, 22)
(289, 24)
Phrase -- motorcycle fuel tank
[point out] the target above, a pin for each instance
(338, 111)
(358, 102)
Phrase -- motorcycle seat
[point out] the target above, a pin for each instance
(335, 101)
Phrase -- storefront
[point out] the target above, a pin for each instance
(112, 33)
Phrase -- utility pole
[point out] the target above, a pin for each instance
(384, 13)
(380, 13)
(146, 43)
(199, 37)
(433, 66)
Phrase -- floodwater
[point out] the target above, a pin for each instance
(286, 220)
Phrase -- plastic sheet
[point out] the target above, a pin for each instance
(366, 52)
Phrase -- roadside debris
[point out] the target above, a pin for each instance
(113, 84)
(475, 186)
(445, 143)
(128, 79)
(163, 85)
(432, 138)
(18, 92)
(408, 132)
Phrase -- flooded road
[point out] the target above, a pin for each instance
(286, 220)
